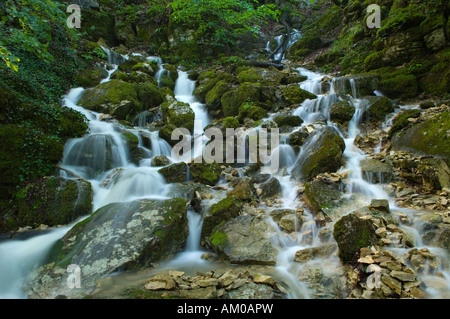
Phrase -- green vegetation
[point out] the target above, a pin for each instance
(216, 26)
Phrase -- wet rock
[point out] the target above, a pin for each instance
(321, 196)
(243, 190)
(54, 201)
(375, 171)
(322, 152)
(380, 205)
(294, 95)
(244, 240)
(160, 160)
(308, 254)
(270, 188)
(175, 173)
(379, 107)
(115, 97)
(252, 291)
(115, 224)
(178, 114)
(221, 212)
(342, 112)
(352, 233)
(205, 173)
(427, 137)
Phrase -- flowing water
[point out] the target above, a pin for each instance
(102, 158)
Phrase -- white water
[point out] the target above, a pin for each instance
(19, 257)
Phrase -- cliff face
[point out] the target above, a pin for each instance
(410, 51)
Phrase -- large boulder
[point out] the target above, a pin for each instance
(232, 100)
(175, 173)
(214, 96)
(149, 95)
(321, 196)
(115, 97)
(223, 211)
(111, 238)
(294, 95)
(178, 114)
(378, 108)
(342, 112)
(429, 137)
(260, 75)
(322, 153)
(205, 173)
(353, 232)
(244, 240)
(54, 201)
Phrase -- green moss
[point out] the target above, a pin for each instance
(432, 23)
(149, 95)
(374, 61)
(53, 201)
(145, 67)
(401, 120)
(293, 94)
(342, 112)
(215, 94)
(380, 107)
(287, 120)
(251, 111)
(429, 137)
(219, 239)
(208, 174)
(400, 83)
(112, 93)
(232, 100)
(260, 75)
(401, 19)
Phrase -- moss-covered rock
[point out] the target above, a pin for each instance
(223, 124)
(160, 160)
(398, 84)
(178, 114)
(175, 173)
(166, 81)
(379, 107)
(115, 97)
(19, 163)
(375, 171)
(132, 142)
(214, 96)
(320, 196)
(53, 201)
(90, 77)
(145, 67)
(219, 213)
(251, 111)
(342, 112)
(260, 75)
(322, 153)
(244, 240)
(294, 95)
(232, 100)
(285, 119)
(428, 137)
(141, 77)
(401, 120)
(206, 82)
(351, 234)
(149, 95)
(206, 173)
(117, 224)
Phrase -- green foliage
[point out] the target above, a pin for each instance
(28, 24)
(219, 24)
